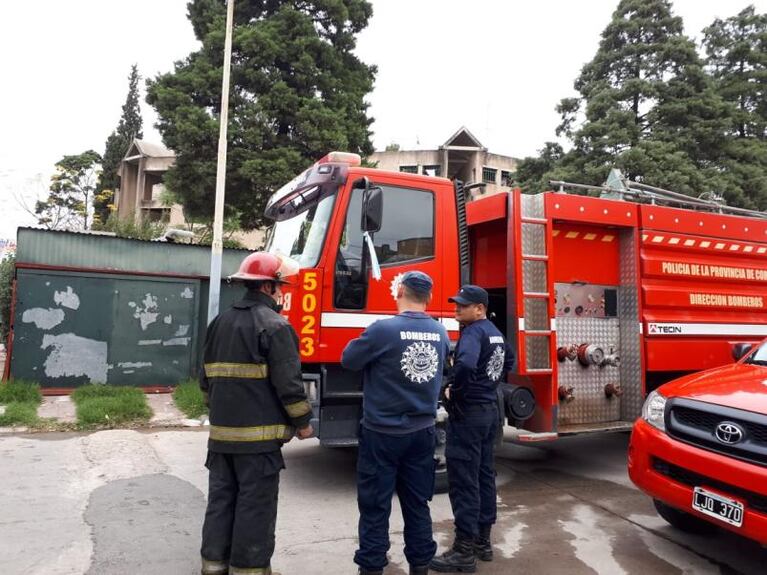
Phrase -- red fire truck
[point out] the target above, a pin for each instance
(603, 298)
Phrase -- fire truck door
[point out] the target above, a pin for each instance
(407, 240)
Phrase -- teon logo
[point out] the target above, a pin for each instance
(656, 328)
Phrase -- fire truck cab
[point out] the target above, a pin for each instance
(601, 298)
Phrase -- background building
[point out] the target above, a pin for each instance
(141, 193)
(461, 157)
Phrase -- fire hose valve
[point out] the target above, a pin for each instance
(612, 390)
(590, 354)
(566, 393)
(567, 352)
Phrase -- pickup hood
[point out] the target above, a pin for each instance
(740, 386)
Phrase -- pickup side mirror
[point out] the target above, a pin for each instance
(739, 350)
(372, 210)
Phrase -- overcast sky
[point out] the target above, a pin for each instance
(498, 67)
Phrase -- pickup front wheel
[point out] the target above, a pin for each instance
(683, 521)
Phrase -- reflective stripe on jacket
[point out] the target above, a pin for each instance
(252, 375)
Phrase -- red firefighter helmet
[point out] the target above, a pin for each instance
(262, 266)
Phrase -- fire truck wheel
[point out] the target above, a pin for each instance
(683, 521)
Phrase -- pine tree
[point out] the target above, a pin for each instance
(297, 93)
(532, 171)
(129, 127)
(736, 50)
(645, 105)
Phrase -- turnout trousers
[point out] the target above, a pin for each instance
(471, 468)
(389, 463)
(238, 532)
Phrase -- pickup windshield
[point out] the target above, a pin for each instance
(302, 236)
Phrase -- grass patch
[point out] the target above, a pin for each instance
(109, 406)
(189, 399)
(20, 413)
(20, 399)
(20, 391)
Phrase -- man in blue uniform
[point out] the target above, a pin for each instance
(402, 358)
(482, 359)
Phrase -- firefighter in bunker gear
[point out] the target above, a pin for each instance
(482, 359)
(402, 358)
(252, 382)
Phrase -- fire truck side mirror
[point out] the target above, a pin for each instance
(740, 349)
(372, 210)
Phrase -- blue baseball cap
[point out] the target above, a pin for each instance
(469, 294)
(417, 281)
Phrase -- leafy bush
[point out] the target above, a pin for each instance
(7, 268)
(129, 228)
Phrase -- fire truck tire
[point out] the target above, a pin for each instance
(683, 521)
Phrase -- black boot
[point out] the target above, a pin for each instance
(419, 570)
(370, 571)
(458, 559)
(483, 549)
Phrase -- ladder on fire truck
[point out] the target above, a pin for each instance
(532, 283)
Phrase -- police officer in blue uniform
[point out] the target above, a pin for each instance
(481, 361)
(402, 358)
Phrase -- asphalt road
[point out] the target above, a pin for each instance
(125, 502)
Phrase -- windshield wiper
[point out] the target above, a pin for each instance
(762, 362)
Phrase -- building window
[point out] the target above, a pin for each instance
(507, 178)
(433, 170)
(488, 175)
(409, 169)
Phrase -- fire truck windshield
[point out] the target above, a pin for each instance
(302, 236)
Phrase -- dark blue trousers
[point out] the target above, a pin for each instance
(471, 468)
(389, 463)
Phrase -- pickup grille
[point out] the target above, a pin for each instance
(695, 422)
(752, 499)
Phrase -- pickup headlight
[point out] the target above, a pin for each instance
(653, 410)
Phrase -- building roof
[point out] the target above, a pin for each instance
(150, 149)
(83, 250)
(463, 138)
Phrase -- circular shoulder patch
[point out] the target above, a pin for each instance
(495, 363)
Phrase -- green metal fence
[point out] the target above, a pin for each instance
(93, 308)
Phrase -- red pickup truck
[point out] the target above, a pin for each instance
(700, 448)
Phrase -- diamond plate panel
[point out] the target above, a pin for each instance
(537, 352)
(537, 314)
(631, 340)
(590, 404)
(533, 239)
(534, 276)
(532, 206)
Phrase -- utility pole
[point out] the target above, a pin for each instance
(217, 248)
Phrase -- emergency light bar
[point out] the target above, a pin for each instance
(341, 158)
(313, 184)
